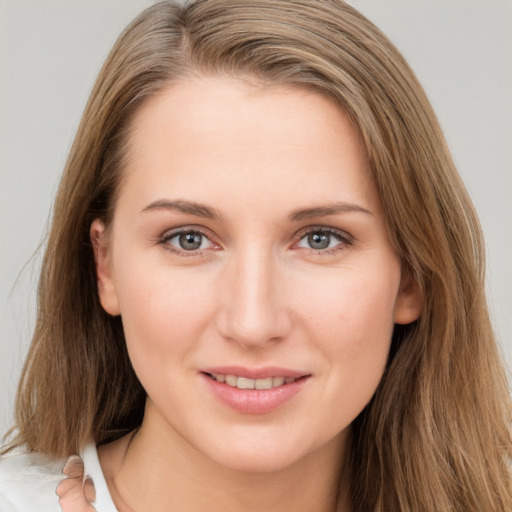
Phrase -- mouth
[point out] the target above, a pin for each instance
(236, 381)
(254, 390)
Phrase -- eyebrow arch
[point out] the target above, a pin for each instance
(182, 206)
(324, 210)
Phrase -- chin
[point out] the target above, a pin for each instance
(255, 451)
(256, 461)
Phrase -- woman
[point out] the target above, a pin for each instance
(263, 287)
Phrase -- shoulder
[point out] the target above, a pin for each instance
(28, 482)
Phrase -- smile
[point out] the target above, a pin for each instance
(254, 391)
(245, 383)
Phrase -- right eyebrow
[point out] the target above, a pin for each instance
(182, 206)
(325, 210)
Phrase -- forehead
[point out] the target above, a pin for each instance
(221, 130)
(263, 113)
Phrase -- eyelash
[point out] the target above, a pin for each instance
(169, 235)
(344, 240)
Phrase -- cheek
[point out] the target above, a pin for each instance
(357, 344)
(163, 311)
(359, 301)
(351, 322)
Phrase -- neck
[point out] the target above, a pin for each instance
(162, 472)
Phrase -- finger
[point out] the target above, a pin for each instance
(74, 493)
(89, 490)
(74, 467)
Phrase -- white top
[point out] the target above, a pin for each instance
(28, 483)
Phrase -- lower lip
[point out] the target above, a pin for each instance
(254, 401)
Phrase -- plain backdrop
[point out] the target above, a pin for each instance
(51, 51)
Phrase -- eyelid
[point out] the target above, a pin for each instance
(325, 229)
(164, 238)
(346, 238)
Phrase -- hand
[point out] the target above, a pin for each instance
(76, 494)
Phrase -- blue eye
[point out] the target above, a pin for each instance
(188, 241)
(322, 239)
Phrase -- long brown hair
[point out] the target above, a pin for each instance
(436, 435)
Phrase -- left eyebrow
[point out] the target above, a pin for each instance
(187, 207)
(324, 210)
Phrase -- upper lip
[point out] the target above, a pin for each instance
(255, 373)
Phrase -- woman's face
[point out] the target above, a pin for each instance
(248, 249)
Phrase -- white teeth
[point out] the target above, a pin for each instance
(245, 383)
(231, 380)
(263, 383)
(277, 381)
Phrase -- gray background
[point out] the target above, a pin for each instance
(51, 51)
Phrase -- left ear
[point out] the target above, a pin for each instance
(106, 286)
(409, 302)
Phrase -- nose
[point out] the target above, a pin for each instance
(253, 310)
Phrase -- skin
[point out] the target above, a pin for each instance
(255, 294)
